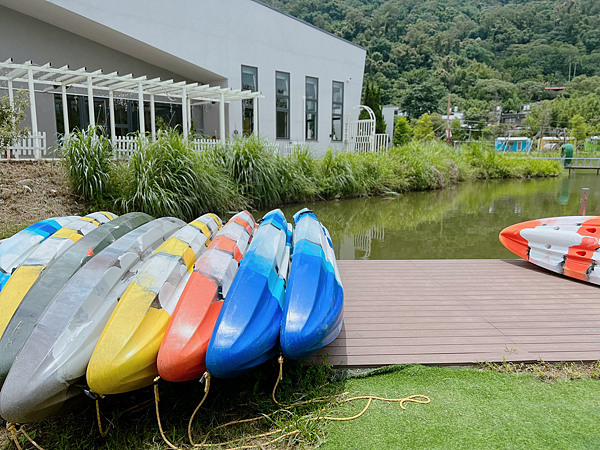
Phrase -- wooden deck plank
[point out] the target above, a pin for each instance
(463, 312)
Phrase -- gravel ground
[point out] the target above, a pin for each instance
(33, 191)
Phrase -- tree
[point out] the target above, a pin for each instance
(424, 128)
(420, 99)
(372, 99)
(10, 118)
(579, 130)
(458, 134)
(402, 132)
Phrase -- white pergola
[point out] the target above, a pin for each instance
(47, 79)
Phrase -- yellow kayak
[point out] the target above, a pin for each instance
(42, 257)
(125, 357)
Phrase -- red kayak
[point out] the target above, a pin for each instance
(183, 350)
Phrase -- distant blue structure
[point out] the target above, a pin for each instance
(512, 144)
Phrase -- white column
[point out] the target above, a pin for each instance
(65, 107)
(141, 108)
(111, 107)
(184, 112)
(222, 118)
(91, 102)
(255, 115)
(10, 93)
(189, 105)
(32, 108)
(152, 117)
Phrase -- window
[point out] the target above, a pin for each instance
(282, 105)
(337, 111)
(312, 108)
(249, 83)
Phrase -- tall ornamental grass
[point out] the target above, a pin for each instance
(87, 157)
(167, 177)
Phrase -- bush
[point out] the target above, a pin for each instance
(87, 156)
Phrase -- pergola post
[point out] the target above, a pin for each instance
(222, 118)
(189, 114)
(10, 93)
(111, 107)
(152, 117)
(34, 124)
(255, 115)
(65, 108)
(141, 108)
(91, 102)
(184, 112)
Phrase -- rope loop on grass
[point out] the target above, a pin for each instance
(205, 377)
(156, 400)
(13, 432)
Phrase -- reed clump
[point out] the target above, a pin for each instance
(166, 176)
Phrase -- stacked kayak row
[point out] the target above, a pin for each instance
(105, 303)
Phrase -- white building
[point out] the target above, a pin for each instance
(309, 78)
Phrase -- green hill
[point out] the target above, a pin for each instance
(484, 52)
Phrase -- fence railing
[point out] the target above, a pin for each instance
(32, 146)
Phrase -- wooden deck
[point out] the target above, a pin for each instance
(463, 311)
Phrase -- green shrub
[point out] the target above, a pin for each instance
(87, 157)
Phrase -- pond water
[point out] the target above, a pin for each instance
(457, 223)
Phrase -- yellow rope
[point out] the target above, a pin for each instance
(156, 400)
(13, 431)
(105, 432)
(31, 440)
(206, 388)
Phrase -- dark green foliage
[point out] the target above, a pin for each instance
(402, 132)
(372, 99)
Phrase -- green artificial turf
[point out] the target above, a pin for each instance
(470, 409)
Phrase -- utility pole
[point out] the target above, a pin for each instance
(448, 132)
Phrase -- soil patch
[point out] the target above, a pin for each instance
(33, 191)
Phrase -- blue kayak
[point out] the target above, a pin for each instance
(17, 248)
(314, 298)
(247, 329)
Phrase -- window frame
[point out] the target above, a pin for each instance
(281, 109)
(337, 116)
(308, 99)
(248, 104)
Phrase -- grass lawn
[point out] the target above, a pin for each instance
(471, 409)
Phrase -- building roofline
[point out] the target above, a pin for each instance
(309, 24)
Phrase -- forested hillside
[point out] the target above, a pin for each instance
(484, 52)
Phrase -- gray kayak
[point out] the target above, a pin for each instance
(52, 280)
(44, 378)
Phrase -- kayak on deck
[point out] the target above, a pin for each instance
(125, 357)
(314, 296)
(16, 248)
(247, 329)
(54, 278)
(183, 350)
(567, 245)
(47, 377)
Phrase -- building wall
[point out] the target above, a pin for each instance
(209, 41)
(24, 38)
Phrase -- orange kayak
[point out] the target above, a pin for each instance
(182, 353)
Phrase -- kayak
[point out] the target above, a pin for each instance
(52, 280)
(125, 357)
(42, 257)
(183, 350)
(47, 376)
(566, 245)
(247, 329)
(314, 297)
(15, 249)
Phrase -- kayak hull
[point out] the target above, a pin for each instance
(43, 380)
(182, 354)
(247, 329)
(125, 356)
(314, 298)
(566, 245)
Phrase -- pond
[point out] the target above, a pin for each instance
(457, 223)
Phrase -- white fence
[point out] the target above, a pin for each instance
(32, 146)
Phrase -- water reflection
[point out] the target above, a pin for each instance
(457, 223)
